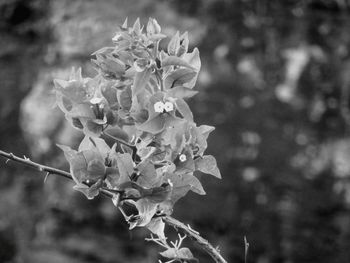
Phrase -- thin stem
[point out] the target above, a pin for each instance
(203, 243)
(194, 235)
(43, 168)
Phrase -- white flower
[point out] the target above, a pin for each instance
(168, 106)
(182, 158)
(159, 106)
(96, 100)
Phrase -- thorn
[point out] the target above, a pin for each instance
(191, 229)
(11, 155)
(41, 169)
(46, 176)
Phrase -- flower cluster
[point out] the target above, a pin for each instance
(138, 98)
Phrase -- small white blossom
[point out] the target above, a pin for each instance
(96, 100)
(159, 106)
(168, 106)
(182, 158)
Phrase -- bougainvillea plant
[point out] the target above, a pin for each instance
(138, 100)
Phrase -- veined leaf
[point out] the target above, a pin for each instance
(148, 176)
(181, 92)
(183, 48)
(183, 254)
(194, 60)
(125, 166)
(140, 81)
(182, 184)
(179, 77)
(176, 61)
(207, 164)
(154, 125)
(174, 44)
(125, 98)
(156, 226)
(146, 210)
(184, 109)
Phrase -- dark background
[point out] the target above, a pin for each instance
(275, 81)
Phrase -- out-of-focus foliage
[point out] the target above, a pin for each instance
(275, 83)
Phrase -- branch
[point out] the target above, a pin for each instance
(43, 168)
(194, 235)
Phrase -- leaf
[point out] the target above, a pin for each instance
(175, 61)
(182, 184)
(73, 90)
(201, 134)
(140, 81)
(69, 153)
(174, 44)
(153, 126)
(81, 111)
(194, 60)
(109, 92)
(125, 166)
(99, 144)
(95, 170)
(156, 226)
(184, 109)
(146, 210)
(125, 98)
(89, 192)
(206, 129)
(91, 128)
(186, 166)
(153, 27)
(181, 92)
(158, 194)
(183, 45)
(172, 135)
(137, 27)
(179, 77)
(207, 164)
(148, 176)
(112, 177)
(183, 254)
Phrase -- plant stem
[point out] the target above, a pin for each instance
(43, 168)
(194, 235)
(203, 243)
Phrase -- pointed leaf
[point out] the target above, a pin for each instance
(99, 144)
(95, 170)
(125, 98)
(207, 164)
(174, 44)
(153, 126)
(125, 166)
(175, 61)
(181, 92)
(184, 109)
(194, 60)
(179, 77)
(146, 210)
(140, 81)
(156, 226)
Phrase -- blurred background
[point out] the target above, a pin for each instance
(275, 81)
